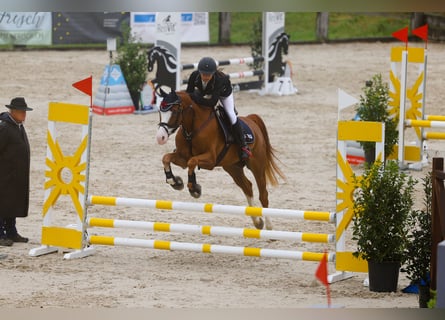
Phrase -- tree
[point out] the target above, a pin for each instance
(132, 60)
(225, 22)
(322, 26)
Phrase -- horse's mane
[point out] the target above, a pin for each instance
(159, 49)
(186, 99)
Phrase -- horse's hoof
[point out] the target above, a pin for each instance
(179, 184)
(259, 224)
(195, 191)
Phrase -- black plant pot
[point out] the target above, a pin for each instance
(424, 296)
(135, 97)
(383, 276)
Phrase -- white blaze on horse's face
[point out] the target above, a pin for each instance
(164, 131)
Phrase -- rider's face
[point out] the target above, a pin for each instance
(206, 77)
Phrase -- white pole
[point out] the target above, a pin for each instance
(422, 141)
(265, 50)
(404, 66)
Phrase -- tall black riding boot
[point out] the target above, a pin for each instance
(238, 134)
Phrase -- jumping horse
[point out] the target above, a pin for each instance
(201, 142)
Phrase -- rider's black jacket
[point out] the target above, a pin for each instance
(219, 86)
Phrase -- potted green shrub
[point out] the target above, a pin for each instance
(383, 201)
(132, 59)
(418, 250)
(373, 106)
(256, 44)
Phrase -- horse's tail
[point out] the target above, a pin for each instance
(272, 169)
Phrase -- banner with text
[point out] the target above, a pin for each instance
(25, 28)
(194, 26)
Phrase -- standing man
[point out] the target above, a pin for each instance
(14, 170)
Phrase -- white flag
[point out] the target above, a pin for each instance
(345, 100)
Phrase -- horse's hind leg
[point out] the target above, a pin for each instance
(238, 176)
(264, 197)
(260, 178)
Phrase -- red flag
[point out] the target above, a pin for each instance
(322, 274)
(421, 32)
(401, 34)
(85, 85)
(322, 270)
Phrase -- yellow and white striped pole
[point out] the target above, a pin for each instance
(209, 248)
(212, 208)
(212, 230)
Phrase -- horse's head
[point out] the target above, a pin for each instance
(281, 43)
(166, 66)
(170, 112)
(152, 55)
(277, 48)
(285, 42)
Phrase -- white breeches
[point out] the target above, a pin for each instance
(229, 107)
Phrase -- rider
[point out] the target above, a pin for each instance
(207, 86)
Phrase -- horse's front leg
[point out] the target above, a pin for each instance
(203, 161)
(192, 185)
(175, 181)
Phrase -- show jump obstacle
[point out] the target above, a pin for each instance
(408, 104)
(274, 77)
(67, 179)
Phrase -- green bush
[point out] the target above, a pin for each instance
(256, 44)
(418, 250)
(132, 59)
(383, 202)
(373, 106)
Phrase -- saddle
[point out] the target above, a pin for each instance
(226, 127)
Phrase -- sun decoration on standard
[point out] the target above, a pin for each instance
(65, 175)
(345, 197)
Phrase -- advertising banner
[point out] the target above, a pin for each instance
(87, 27)
(194, 26)
(25, 28)
(46, 28)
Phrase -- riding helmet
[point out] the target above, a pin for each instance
(207, 65)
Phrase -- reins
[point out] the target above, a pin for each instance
(188, 135)
(188, 124)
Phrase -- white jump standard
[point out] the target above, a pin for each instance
(408, 104)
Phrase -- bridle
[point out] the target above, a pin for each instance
(176, 114)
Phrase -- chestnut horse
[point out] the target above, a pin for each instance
(200, 143)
